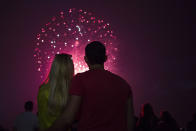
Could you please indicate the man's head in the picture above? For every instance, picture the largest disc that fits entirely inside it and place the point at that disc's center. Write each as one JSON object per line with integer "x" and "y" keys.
{"x": 28, "y": 106}
{"x": 95, "y": 53}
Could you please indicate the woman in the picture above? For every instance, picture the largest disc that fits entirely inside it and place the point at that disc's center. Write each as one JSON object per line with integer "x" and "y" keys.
{"x": 53, "y": 93}
{"x": 147, "y": 121}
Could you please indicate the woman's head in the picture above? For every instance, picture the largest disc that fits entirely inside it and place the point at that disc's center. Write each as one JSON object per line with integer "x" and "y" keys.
{"x": 62, "y": 67}
{"x": 60, "y": 75}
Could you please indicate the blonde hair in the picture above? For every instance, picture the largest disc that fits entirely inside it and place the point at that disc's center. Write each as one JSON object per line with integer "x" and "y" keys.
{"x": 59, "y": 78}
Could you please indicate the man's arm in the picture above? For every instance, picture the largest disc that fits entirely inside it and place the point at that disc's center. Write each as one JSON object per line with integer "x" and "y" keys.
{"x": 130, "y": 114}
{"x": 68, "y": 116}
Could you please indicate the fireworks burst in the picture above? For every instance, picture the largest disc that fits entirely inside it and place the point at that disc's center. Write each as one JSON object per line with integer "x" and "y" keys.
{"x": 69, "y": 32}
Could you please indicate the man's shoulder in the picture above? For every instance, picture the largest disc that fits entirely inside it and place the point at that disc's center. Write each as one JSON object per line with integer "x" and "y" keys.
{"x": 19, "y": 116}
{"x": 81, "y": 74}
{"x": 31, "y": 115}
{"x": 78, "y": 75}
{"x": 105, "y": 73}
{"x": 118, "y": 77}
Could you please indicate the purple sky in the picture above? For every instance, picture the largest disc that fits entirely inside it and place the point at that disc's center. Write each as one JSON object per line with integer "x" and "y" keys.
{"x": 157, "y": 51}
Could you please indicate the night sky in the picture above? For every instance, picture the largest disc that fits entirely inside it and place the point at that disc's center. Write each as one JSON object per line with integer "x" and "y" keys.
{"x": 156, "y": 43}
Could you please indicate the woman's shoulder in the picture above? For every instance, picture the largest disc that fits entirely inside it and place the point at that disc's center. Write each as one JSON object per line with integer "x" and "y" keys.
{"x": 44, "y": 88}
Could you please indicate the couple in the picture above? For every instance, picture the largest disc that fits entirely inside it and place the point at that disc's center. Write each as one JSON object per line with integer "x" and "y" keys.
{"x": 98, "y": 99}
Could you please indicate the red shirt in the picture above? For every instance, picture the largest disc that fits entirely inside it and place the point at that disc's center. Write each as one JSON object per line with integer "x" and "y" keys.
{"x": 104, "y": 97}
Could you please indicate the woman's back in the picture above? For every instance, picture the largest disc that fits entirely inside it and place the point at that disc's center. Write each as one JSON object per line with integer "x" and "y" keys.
{"x": 53, "y": 94}
{"x": 45, "y": 117}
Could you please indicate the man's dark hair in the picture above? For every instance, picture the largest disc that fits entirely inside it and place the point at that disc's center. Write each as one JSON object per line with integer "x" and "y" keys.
{"x": 95, "y": 53}
{"x": 28, "y": 106}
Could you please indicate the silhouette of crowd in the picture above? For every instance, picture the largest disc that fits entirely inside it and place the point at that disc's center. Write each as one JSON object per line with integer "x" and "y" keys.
{"x": 147, "y": 121}
{"x": 165, "y": 122}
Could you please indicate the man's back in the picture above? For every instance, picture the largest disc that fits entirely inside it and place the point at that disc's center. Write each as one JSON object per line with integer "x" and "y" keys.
{"x": 104, "y": 97}
{"x": 26, "y": 121}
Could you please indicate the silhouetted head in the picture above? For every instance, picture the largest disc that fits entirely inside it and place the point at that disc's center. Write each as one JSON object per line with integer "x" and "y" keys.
{"x": 28, "y": 106}
{"x": 165, "y": 116}
{"x": 147, "y": 110}
{"x": 95, "y": 53}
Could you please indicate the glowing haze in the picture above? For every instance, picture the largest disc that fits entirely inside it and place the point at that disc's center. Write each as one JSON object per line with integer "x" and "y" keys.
{"x": 69, "y": 32}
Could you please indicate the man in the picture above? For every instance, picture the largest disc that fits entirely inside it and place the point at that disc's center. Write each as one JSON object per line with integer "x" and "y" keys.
{"x": 191, "y": 126}
{"x": 26, "y": 121}
{"x": 101, "y": 100}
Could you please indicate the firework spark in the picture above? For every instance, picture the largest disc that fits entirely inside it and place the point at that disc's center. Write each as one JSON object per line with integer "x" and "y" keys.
{"x": 69, "y": 32}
